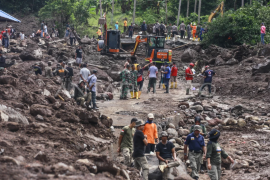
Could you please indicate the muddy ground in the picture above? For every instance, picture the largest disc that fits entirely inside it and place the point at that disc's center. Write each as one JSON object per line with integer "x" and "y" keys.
{"x": 44, "y": 137}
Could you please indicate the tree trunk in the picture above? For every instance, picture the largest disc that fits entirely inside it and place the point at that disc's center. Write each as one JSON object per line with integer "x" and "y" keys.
{"x": 243, "y": 3}
{"x": 187, "y": 7}
{"x": 250, "y": 2}
{"x": 179, "y": 8}
{"x": 134, "y": 10}
{"x": 166, "y": 12}
{"x": 100, "y": 6}
{"x": 112, "y": 8}
{"x": 235, "y": 4}
{"x": 199, "y": 11}
{"x": 195, "y": 7}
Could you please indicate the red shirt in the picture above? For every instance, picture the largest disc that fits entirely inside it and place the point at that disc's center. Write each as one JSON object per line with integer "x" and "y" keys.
{"x": 174, "y": 71}
{"x": 189, "y": 71}
{"x": 1, "y": 36}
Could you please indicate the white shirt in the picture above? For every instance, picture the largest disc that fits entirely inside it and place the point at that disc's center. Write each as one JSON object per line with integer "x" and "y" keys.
{"x": 22, "y": 36}
{"x": 85, "y": 73}
{"x": 153, "y": 71}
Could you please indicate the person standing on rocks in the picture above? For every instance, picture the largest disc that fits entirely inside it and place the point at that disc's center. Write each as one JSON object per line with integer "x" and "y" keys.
{"x": 174, "y": 30}
{"x": 69, "y": 76}
{"x": 48, "y": 70}
{"x": 139, "y": 143}
{"x": 152, "y": 73}
{"x": 169, "y": 30}
{"x": 150, "y": 130}
{"x": 61, "y": 72}
{"x": 208, "y": 75}
{"x": 162, "y": 28}
{"x": 81, "y": 95}
{"x": 72, "y": 38}
{"x": 182, "y": 29}
{"x": 214, "y": 154}
{"x": 37, "y": 69}
{"x": 125, "y": 142}
{"x": 189, "y": 77}
{"x": 42, "y": 29}
{"x": 79, "y": 56}
{"x": 5, "y": 41}
{"x": 130, "y": 30}
{"x": 157, "y": 26}
{"x": 92, "y": 81}
{"x": 263, "y": 30}
{"x": 174, "y": 75}
{"x": 144, "y": 28}
{"x": 126, "y": 80}
{"x": 99, "y": 33}
{"x": 188, "y": 31}
{"x": 196, "y": 144}
{"x": 165, "y": 152}
{"x": 125, "y": 25}
{"x": 45, "y": 29}
{"x": 116, "y": 25}
{"x": 167, "y": 76}
{"x": 134, "y": 87}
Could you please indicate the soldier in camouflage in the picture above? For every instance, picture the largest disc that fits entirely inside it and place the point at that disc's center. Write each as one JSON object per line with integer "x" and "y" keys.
{"x": 48, "y": 70}
{"x": 125, "y": 76}
{"x": 134, "y": 88}
{"x": 214, "y": 154}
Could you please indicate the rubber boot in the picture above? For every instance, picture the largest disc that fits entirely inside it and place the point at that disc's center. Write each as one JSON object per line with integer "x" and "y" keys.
{"x": 163, "y": 85}
{"x": 137, "y": 95}
{"x": 131, "y": 95}
{"x": 171, "y": 85}
{"x": 175, "y": 85}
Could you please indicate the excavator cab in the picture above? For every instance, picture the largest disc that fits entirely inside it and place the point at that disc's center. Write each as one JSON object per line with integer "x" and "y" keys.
{"x": 111, "y": 44}
{"x": 156, "y": 51}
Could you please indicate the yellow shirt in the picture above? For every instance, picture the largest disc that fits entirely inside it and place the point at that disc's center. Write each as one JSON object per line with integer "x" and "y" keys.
{"x": 99, "y": 32}
{"x": 125, "y": 23}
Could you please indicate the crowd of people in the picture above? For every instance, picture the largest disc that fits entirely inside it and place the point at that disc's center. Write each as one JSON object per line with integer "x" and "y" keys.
{"x": 140, "y": 138}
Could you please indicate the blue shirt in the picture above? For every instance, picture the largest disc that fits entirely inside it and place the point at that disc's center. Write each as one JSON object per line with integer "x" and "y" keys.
{"x": 201, "y": 31}
{"x": 92, "y": 80}
{"x": 209, "y": 74}
{"x": 153, "y": 72}
{"x": 195, "y": 144}
{"x": 116, "y": 26}
{"x": 168, "y": 75}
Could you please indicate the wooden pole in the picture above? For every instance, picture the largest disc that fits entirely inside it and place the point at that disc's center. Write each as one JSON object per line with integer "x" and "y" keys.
{"x": 199, "y": 11}
{"x": 187, "y": 7}
{"x": 243, "y": 3}
{"x": 179, "y": 9}
{"x": 134, "y": 10}
{"x": 250, "y": 2}
{"x": 195, "y": 6}
{"x": 100, "y": 5}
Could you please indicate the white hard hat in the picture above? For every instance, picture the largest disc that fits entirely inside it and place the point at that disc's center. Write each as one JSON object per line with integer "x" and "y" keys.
{"x": 150, "y": 115}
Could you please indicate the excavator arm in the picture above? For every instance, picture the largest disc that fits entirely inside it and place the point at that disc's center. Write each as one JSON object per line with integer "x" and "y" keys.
{"x": 138, "y": 41}
{"x": 219, "y": 8}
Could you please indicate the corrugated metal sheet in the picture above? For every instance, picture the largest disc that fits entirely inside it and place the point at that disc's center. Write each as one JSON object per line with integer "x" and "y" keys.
{"x": 6, "y": 17}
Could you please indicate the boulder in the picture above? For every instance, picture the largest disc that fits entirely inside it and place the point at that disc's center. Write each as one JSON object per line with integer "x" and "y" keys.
{"x": 86, "y": 40}
{"x": 115, "y": 75}
{"x": 62, "y": 168}
{"x": 265, "y": 51}
{"x": 189, "y": 55}
{"x": 8, "y": 80}
{"x": 7, "y": 159}
{"x": 39, "y": 118}
{"x": 183, "y": 132}
{"x": 241, "y": 123}
{"x": 67, "y": 116}
{"x": 231, "y": 61}
{"x": 226, "y": 54}
{"x": 107, "y": 121}
{"x": 261, "y": 67}
{"x": 3, "y": 116}
{"x": 198, "y": 108}
{"x": 41, "y": 156}
{"x": 9, "y": 114}
{"x": 85, "y": 162}
{"x": 184, "y": 103}
{"x": 219, "y": 61}
{"x": 239, "y": 164}
{"x": 214, "y": 122}
{"x": 89, "y": 117}
{"x": 17, "y": 49}
{"x": 31, "y": 55}
{"x": 171, "y": 126}
{"x": 13, "y": 126}
{"x": 229, "y": 121}
{"x": 172, "y": 133}
{"x": 36, "y": 109}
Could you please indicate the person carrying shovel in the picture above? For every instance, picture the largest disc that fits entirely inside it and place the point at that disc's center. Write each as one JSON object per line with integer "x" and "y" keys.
{"x": 165, "y": 152}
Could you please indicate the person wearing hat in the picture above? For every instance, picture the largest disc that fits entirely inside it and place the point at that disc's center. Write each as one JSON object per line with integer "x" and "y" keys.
{"x": 48, "y": 70}
{"x": 37, "y": 69}
{"x": 116, "y": 25}
{"x": 68, "y": 78}
{"x": 167, "y": 76}
{"x": 125, "y": 25}
{"x": 126, "y": 81}
{"x": 125, "y": 142}
{"x": 165, "y": 152}
{"x": 134, "y": 87}
{"x": 81, "y": 94}
{"x": 99, "y": 33}
{"x": 194, "y": 29}
{"x": 150, "y": 130}
{"x": 60, "y": 71}
{"x": 91, "y": 83}
{"x": 208, "y": 75}
{"x": 214, "y": 154}
{"x": 79, "y": 56}
{"x": 263, "y": 31}
{"x": 189, "y": 77}
{"x": 152, "y": 73}
{"x": 144, "y": 28}
{"x": 139, "y": 143}
{"x": 195, "y": 142}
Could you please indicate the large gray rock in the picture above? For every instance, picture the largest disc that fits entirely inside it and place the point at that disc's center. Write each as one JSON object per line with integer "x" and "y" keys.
{"x": 261, "y": 67}
{"x": 189, "y": 55}
{"x": 36, "y": 109}
{"x": 219, "y": 61}
{"x": 115, "y": 75}
{"x": 9, "y": 114}
{"x": 226, "y": 54}
{"x": 31, "y": 55}
{"x": 183, "y": 132}
{"x": 197, "y": 108}
{"x": 231, "y": 61}
{"x": 172, "y": 133}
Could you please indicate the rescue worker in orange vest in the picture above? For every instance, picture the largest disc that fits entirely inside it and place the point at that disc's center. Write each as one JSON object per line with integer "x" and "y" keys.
{"x": 150, "y": 130}
{"x": 194, "y": 29}
{"x": 99, "y": 33}
{"x": 125, "y": 25}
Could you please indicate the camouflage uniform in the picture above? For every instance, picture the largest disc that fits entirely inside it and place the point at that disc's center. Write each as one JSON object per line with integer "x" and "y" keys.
{"x": 133, "y": 78}
{"x": 125, "y": 76}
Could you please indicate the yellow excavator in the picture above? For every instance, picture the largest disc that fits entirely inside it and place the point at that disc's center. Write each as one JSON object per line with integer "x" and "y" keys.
{"x": 220, "y": 9}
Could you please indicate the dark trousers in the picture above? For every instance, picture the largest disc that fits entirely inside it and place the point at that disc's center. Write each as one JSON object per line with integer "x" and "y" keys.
{"x": 182, "y": 34}
{"x": 173, "y": 33}
{"x": 157, "y": 32}
{"x": 150, "y": 147}
{"x": 93, "y": 99}
{"x": 130, "y": 34}
{"x": 125, "y": 29}
{"x": 167, "y": 83}
{"x": 72, "y": 40}
{"x": 209, "y": 86}
{"x": 162, "y": 32}
{"x": 99, "y": 37}
{"x": 140, "y": 85}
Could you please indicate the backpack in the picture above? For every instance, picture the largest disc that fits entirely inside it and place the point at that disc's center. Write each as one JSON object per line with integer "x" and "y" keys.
{"x": 162, "y": 27}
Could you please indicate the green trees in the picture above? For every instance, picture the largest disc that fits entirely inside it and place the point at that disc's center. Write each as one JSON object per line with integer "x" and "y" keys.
{"x": 22, "y": 6}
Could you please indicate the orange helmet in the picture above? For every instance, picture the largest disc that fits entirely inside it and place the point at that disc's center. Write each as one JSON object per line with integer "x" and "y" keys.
{"x": 191, "y": 64}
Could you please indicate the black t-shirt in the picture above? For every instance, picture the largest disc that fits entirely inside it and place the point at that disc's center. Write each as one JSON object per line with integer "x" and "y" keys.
{"x": 138, "y": 144}
{"x": 165, "y": 150}
{"x": 70, "y": 71}
{"x": 37, "y": 70}
{"x": 79, "y": 53}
